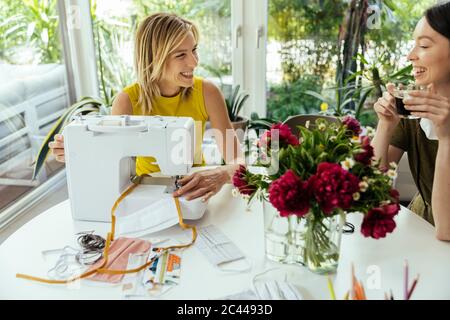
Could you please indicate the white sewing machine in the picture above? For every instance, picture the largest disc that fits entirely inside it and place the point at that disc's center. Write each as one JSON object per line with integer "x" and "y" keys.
{"x": 99, "y": 164}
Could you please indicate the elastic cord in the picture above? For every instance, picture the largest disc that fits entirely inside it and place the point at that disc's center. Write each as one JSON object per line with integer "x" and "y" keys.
{"x": 110, "y": 237}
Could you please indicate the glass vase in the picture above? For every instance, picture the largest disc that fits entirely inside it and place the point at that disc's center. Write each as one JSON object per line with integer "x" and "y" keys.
{"x": 312, "y": 241}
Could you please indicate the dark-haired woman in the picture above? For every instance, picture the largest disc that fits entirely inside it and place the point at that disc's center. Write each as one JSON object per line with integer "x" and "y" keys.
{"x": 427, "y": 139}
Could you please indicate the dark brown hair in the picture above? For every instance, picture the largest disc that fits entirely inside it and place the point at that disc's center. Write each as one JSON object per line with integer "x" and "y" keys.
{"x": 438, "y": 17}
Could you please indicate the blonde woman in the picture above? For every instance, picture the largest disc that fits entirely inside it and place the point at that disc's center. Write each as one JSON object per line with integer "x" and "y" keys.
{"x": 165, "y": 61}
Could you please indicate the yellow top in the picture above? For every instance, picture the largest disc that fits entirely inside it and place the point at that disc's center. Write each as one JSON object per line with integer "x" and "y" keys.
{"x": 193, "y": 106}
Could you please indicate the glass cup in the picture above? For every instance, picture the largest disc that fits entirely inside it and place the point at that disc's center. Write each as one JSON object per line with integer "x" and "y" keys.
{"x": 402, "y": 92}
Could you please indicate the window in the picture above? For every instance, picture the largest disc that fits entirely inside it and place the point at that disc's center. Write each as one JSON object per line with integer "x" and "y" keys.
{"x": 307, "y": 64}
{"x": 33, "y": 92}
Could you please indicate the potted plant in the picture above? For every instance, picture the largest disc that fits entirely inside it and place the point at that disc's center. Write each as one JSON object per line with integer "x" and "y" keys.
{"x": 234, "y": 102}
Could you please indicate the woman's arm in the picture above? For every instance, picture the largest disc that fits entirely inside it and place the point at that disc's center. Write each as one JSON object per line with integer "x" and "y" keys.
{"x": 388, "y": 120}
{"x": 225, "y": 135}
{"x": 440, "y": 200}
{"x": 208, "y": 182}
{"x": 433, "y": 106}
{"x": 122, "y": 105}
{"x": 383, "y": 150}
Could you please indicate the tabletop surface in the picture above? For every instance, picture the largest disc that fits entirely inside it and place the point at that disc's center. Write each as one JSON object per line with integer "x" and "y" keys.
{"x": 379, "y": 264}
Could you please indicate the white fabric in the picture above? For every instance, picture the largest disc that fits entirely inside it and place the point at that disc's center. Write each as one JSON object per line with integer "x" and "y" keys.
{"x": 157, "y": 216}
{"x": 219, "y": 249}
{"x": 428, "y": 127}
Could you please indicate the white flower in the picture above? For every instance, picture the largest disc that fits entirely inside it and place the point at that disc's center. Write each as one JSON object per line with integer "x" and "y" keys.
{"x": 393, "y": 165}
{"x": 363, "y": 186}
{"x": 235, "y": 192}
{"x": 333, "y": 138}
{"x": 356, "y": 196}
{"x": 370, "y": 132}
{"x": 307, "y": 124}
{"x": 392, "y": 174}
{"x": 376, "y": 171}
{"x": 322, "y": 126}
{"x": 348, "y": 163}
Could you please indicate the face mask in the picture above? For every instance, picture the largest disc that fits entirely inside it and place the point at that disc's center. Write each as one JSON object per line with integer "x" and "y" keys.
{"x": 119, "y": 252}
{"x": 158, "y": 216}
{"x": 428, "y": 127}
{"x": 218, "y": 249}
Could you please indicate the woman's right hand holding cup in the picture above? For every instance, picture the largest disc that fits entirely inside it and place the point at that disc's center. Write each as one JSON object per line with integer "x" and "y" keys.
{"x": 57, "y": 147}
{"x": 385, "y": 108}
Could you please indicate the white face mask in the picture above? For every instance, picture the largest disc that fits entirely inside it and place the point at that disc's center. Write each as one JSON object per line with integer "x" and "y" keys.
{"x": 219, "y": 250}
{"x": 158, "y": 216}
{"x": 428, "y": 127}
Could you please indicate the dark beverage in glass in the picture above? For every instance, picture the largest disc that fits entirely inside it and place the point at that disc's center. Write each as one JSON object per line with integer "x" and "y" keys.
{"x": 400, "y": 93}
{"x": 399, "y": 96}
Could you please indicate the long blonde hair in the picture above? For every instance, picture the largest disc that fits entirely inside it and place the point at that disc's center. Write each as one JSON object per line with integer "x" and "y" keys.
{"x": 156, "y": 38}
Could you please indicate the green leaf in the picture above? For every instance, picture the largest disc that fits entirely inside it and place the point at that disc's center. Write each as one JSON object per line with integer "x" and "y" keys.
{"x": 316, "y": 95}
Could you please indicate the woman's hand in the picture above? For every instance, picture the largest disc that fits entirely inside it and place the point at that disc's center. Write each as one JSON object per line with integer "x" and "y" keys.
{"x": 385, "y": 108}
{"x": 204, "y": 183}
{"x": 57, "y": 147}
{"x": 430, "y": 105}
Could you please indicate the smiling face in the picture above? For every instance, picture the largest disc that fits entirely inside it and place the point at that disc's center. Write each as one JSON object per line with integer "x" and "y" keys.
{"x": 430, "y": 56}
{"x": 179, "y": 67}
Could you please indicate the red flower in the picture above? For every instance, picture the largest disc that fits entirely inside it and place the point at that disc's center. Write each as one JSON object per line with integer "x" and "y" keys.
{"x": 395, "y": 195}
{"x": 240, "y": 181}
{"x": 352, "y": 125}
{"x": 289, "y": 195}
{"x": 333, "y": 187}
{"x": 365, "y": 157}
{"x": 285, "y": 136}
{"x": 380, "y": 221}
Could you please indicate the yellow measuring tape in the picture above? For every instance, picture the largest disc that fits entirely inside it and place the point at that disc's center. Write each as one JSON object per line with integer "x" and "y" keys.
{"x": 110, "y": 237}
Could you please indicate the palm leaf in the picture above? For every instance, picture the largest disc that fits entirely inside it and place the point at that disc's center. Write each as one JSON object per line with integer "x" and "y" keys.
{"x": 239, "y": 104}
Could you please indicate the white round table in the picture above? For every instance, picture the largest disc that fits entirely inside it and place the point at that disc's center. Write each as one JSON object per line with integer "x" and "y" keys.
{"x": 378, "y": 263}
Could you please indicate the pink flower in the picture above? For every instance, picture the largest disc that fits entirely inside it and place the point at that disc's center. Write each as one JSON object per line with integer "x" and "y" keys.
{"x": 365, "y": 157}
{"x": 240, "y": 181}
{"x": 380, "y": 221}
{"x": 289, "y": 195}
{"x": 333, "y": 187}
{"x": 352, "y": 125}
{"x": 285, "y": 136}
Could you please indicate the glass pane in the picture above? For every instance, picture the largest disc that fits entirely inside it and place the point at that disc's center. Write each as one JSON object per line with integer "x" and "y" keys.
{"x": 115, "y": 23}
{"x": 308, "y": 49}
{"x": 33, "y": 91}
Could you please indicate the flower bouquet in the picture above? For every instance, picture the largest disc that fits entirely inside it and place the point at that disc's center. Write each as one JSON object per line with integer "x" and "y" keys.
{"x": 308, "y": 184}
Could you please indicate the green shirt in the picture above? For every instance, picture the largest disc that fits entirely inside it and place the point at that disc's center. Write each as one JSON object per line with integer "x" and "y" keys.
{"x": 409, "y": 136}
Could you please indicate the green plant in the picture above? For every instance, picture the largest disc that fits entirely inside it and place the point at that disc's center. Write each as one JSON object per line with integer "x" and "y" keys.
{"x": 86, "y": 105}
{"x": 371, "y": 84}
{"x": 288, "y": 99}
{"x": 32, "y": 25}
{"x": 234, "y": 102}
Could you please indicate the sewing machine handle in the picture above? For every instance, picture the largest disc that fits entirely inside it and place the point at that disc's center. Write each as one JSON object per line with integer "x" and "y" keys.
{"x": 111, "y": 126}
